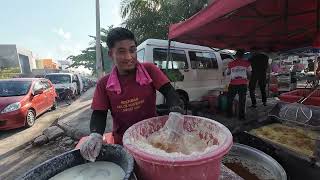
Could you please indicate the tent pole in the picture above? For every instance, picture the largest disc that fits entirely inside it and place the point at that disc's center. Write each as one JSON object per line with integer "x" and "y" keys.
{"x": 168, "y": 55}
{"x": 286, "y": 6}
{"x": 99, "y": 70}
{"x": 269, "y": 76}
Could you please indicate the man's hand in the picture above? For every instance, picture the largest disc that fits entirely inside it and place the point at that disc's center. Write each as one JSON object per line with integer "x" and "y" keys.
{"x": 177, "y": 109}
{"x": 90, "y": 149}
{"x": 174, "y": 102}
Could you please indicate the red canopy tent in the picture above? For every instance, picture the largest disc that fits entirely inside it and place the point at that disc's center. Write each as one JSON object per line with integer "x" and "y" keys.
{"x": 270, "y": 25}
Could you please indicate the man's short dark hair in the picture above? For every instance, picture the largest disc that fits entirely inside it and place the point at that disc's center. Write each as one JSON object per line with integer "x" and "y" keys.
{"x": 240, "y": 53}
{"x": 119, "y": 34}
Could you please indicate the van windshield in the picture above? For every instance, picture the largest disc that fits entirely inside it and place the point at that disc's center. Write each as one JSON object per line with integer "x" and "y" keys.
{"x": 59, "y": 78}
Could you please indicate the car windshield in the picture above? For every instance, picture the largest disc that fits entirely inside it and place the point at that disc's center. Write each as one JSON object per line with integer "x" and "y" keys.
{"x": 14, "y": 88}
{"x": 59, "y": 79}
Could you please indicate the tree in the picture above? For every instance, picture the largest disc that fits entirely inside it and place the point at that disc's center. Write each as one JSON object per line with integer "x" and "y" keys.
{"x": 87, "y": 57}
{"x": 151, "y": 18}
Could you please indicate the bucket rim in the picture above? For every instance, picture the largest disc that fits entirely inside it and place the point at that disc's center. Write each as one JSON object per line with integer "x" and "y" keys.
{"x": 216, "y": 153}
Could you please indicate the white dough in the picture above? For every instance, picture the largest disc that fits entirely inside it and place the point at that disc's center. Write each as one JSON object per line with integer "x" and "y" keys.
{"x": 100, "y": 170}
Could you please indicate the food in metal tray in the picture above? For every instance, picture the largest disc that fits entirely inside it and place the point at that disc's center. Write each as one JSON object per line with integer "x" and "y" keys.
{"x": 100, "y": 170}
{"x": 294, "y": 138}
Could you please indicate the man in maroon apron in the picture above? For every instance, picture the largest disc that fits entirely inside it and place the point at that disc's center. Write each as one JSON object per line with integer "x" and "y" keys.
{"x": 128, "y": 91}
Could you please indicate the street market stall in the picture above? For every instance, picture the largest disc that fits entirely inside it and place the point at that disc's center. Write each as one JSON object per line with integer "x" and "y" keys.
{"x": 269, "y": 26}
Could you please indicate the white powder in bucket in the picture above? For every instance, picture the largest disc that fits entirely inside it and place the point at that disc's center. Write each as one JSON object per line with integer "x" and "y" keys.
{"x": 199, "y": 137}
{"x": 145, "y": 146}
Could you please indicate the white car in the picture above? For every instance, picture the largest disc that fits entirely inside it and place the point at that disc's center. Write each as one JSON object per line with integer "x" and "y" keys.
{"x": 62, "y": 81}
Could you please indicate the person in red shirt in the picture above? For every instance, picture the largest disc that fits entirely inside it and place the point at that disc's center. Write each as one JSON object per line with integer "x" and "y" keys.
{"x": 128, "y": 91}
{"x": 238, "y": 70}
{"x": 317, "y": 73}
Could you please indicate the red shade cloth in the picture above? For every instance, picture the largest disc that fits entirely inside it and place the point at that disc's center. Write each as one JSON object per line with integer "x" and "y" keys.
{"x": 270, "y": 25}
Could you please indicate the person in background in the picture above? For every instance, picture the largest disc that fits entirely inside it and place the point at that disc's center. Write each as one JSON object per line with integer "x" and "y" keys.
{"x": 239, "y": 69}
{"x": 294, "y": 74}
{"x": 259, "y": 64}
{"x": 299, "y": 66}
{"x": 310, "y": 65}
{"x": 275, "y": 67}
{"x": 317, "y": 72}
{"x": 129, "y": 92}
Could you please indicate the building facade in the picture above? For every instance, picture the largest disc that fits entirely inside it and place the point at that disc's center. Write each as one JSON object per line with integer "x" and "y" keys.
{"x": 16, "y": 60}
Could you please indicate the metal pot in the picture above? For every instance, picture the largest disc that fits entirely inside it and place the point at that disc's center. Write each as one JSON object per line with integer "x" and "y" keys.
{"x": 260, "y": 159}
{"x": 112, "y": 153}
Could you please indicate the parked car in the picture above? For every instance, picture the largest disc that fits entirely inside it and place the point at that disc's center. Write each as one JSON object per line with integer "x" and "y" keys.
{"x": 22, "y": 100}
{"x": 63, "y": 81}
{"x": 87, "y": 83}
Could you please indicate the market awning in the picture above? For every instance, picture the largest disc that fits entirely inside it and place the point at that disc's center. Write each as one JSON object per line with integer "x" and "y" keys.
{"x": 270, "y": 25}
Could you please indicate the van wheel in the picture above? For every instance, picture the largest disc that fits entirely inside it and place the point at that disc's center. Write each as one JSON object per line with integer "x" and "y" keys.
{"x": 30, "y": 118}
{"x": 184, "y": 99}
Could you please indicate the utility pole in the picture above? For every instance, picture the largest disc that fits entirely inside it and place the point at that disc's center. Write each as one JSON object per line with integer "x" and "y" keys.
{"x": 98, "y": 40}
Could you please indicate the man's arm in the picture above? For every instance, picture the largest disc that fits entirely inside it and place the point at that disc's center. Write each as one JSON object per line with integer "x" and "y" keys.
{"x": 98, "y": 121}
{"x": 100, "y": 105}
{"x": 162, "y": 84}
{"x": 173, "y": 100}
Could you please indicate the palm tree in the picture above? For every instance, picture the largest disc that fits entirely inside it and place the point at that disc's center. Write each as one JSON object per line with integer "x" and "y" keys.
{"x": 151, "y": 18}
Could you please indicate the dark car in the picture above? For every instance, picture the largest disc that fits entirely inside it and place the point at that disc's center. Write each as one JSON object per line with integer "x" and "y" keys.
{"x": 24, "y": 99}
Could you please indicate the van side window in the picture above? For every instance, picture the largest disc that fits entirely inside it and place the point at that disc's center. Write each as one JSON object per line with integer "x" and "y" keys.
{"x": 226, "y": 56}
{"x": 140, "y": 55}
{"x": 203, "y": 60}
{"x": 178, "y": 59}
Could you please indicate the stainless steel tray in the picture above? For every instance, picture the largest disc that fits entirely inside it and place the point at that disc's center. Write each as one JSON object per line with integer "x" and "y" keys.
{"x": 245, "y": 152}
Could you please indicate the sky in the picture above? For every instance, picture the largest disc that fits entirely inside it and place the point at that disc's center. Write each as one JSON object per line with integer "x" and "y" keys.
{"x": 54, "y": 28}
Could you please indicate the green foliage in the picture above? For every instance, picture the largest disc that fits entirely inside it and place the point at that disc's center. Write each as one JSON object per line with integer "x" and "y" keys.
{"x": 6, "y": 73}
{"x": 151, "y": 18}
{"x": 174, "y": 75}
{"x": 87, "y": 57}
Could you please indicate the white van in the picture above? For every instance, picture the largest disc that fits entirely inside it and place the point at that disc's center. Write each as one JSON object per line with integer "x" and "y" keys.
{"x": 62, "y": 81}
{"x": 194, "y": 70}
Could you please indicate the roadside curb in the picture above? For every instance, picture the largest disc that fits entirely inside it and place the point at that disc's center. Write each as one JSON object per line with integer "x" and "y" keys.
{"x": 64, "y": 115}
{"x": 18, "y": 148}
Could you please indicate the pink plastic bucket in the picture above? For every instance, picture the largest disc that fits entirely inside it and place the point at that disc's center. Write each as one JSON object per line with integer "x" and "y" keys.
{"x": 203, "y": 166}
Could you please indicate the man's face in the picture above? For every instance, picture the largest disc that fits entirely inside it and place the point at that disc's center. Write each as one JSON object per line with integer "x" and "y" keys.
{"x": 124, "y": 55}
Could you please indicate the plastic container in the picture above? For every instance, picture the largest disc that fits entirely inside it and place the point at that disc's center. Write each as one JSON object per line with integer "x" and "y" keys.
{"x": 294, "y": 96}
{"x": 213, "y": 102}
{"x": 202, "y": 166}
{"x": 223, "y": 102}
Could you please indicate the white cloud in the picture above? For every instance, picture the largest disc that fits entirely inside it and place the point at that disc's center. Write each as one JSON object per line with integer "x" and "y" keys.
{"x": 66, "y": 47}
{"x": 62, "y": 33}
{"x": 64, "y": 50}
